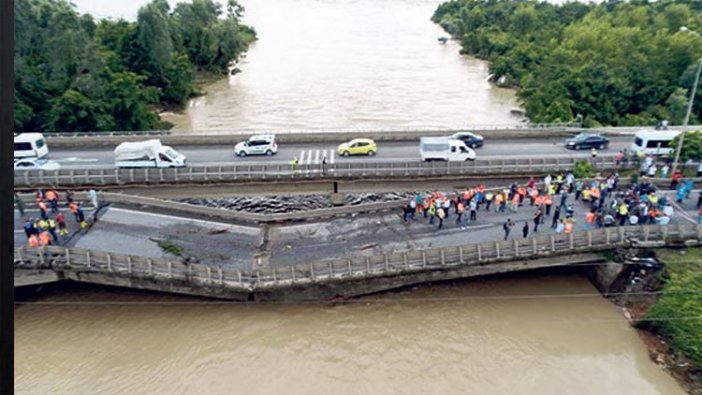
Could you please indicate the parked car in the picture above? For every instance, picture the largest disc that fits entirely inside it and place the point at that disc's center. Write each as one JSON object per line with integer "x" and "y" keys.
{"x": 263, "y": 144}
{"x": 358, "y": 147}
{"x": 37, "y": 164}
{"x": 587, "y": 141}
{"x": 472, "y": 140}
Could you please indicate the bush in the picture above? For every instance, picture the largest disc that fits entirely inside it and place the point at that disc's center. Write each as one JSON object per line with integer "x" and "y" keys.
{"x": 676, "y": 314}
{"x": 583, "y": 169}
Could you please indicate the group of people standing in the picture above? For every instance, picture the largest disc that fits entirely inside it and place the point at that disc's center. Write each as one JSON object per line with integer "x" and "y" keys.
{"x": 51, "y": 223}
{"x": 437, "y": 206}
{"x": 608, "y": 205}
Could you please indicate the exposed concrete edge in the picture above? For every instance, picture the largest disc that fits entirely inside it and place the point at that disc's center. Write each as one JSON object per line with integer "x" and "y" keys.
{"x": 159, "y": 285}
{"x": 354, "y": 287}
{"x": 24, "y": 278}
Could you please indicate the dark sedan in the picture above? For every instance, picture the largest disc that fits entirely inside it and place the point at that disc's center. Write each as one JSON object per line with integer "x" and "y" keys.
{"x": 587, "y": 141}
{"x": 472, "y": 140}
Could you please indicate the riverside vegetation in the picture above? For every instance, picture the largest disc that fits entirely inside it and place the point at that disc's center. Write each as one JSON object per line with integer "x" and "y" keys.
{"x": 677, "y": 313}
{"x": 616, "y": 63}
{"x": 73, "y": 73}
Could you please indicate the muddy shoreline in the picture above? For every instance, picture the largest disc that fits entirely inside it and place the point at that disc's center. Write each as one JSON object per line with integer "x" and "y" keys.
{"x": 638, "y": 290}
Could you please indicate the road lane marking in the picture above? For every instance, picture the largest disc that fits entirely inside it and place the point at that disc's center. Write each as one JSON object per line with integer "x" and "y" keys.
{"x": 76, "y": 159}
{"x": 332, "y": 156}
{"x": 302, "y": 157}
{"x": 316, "y": 157}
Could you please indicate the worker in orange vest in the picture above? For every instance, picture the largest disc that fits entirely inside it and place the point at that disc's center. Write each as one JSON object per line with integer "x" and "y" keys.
{"x": 568, "y": 228}
{"x": 44, "y": 238}
{"x": 522, "y": 194}
{"x": 548, "y": 201}
{"x": 498, "y": 201}
{"x": 533, "y": 194}
{"x": 33, "y": 241}
{"x": 52, "y": 197}
{"x": 589, "y": 220}
{"x": 515, "y": 203}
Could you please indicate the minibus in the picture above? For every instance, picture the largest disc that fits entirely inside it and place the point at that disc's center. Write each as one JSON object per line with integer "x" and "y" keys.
{"x": 654, "y": 142}
{"x": 30, "y": 145}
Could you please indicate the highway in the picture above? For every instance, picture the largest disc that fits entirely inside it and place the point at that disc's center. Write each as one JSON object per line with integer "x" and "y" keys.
{"x": 312, "y": 153}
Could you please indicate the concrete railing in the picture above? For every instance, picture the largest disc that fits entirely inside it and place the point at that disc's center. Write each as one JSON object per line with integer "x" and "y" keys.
{"x": 278, "y": 171}
{"x": 81, "y": 260}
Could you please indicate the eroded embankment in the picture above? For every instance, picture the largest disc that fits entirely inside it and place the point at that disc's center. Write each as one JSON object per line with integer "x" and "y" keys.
{"x": 664, "y": 304}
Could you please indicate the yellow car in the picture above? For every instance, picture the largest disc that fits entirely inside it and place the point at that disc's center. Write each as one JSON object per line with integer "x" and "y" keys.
{"x": 358, "y": 147}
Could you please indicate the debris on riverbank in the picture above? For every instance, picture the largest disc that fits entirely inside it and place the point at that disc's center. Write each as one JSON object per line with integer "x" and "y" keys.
{"x": 293, "y": 203}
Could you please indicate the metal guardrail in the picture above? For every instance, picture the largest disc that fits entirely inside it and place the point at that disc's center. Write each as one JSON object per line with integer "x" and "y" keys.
{"x": 278, "y": 171}
{"x": 429, "y": 129}
{"x": 378, "y": 131}
{"x": 82, "y": 260}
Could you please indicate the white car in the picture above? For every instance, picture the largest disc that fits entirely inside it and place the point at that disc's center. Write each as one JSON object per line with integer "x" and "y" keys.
{"x": 37, "y": 164}
{"x": 263, "y": 144}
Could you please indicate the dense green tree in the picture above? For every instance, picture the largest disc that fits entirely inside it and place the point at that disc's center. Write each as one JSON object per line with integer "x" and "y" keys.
{"x": 692, "y": 146}
{"x": 618, "y": 63}
{"x": 73, "y": 73}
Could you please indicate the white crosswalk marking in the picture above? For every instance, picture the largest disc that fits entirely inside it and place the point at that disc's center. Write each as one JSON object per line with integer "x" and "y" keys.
{"x": 314, "y": 157}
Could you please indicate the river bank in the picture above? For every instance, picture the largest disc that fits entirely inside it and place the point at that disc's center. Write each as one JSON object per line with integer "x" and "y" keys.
{"x": 663, "y": 306}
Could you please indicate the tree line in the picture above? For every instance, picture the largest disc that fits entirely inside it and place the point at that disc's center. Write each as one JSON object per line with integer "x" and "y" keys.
{"x": 73, "y": 73}
{"x": 616, "y": 63}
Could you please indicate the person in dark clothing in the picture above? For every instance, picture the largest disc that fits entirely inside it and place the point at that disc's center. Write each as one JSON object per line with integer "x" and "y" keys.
{"x": 699, "y": 200}
{"x": 556, "y": 217}
{"x": 525, "y": 229}
{"x": 537, "y": 219}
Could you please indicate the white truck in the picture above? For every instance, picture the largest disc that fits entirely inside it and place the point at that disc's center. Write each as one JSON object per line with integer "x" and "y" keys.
{"x": 150, "y": 153}
{"x": 444, "y": 148}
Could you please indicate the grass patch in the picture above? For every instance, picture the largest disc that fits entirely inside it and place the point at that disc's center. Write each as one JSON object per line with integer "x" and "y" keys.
{"x": 677, "y": 314}
{"x": 168, "y": 247}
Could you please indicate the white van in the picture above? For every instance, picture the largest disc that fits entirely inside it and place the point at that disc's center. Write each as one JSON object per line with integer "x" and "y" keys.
{"x": 150, "y": 153}
{"x": 444, "y": 148}
{"x": 30, "y": 145}
{"x": 654, "y": 142}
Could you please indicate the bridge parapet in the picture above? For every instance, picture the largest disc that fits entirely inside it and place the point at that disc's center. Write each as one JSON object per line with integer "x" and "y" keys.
{"x": 283, "y": 171}
{"x": 274, "y": 283}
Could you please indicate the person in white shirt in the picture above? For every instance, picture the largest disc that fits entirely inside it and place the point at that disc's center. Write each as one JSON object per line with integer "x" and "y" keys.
{"x": 652, "y": 171}
{"x": 668, "y": 210}
{"x": 664, "y": 171}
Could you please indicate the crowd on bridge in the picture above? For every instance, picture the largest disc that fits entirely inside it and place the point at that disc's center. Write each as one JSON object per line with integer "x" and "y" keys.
{"x": 51, "y": 227}
{"x": 604, "y": 203}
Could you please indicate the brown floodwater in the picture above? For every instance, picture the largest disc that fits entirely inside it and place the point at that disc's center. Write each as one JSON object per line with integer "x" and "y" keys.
{"x": 539, "y": 334}
{"x": 343, "y": 64}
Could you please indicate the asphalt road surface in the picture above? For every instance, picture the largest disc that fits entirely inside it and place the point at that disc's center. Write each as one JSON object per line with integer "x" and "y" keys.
{"x": 312, "y": 153}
